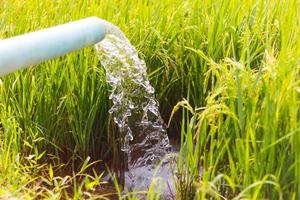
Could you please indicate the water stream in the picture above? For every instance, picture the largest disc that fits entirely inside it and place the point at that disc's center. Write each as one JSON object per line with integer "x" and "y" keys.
{"x": 135, "y": 111}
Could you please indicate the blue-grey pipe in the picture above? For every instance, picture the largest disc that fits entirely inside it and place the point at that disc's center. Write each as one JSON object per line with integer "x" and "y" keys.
{"x": 33, "y": 48}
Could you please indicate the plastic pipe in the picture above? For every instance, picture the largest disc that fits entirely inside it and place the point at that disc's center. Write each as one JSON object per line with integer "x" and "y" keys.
{"x": 33, "y": 48}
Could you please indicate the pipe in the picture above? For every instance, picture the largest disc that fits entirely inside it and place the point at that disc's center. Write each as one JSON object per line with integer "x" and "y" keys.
{"x": 33, "y": 48}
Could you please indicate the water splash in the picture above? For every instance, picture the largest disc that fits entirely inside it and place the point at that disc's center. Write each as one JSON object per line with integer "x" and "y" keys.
{"x": 135, "y": 111}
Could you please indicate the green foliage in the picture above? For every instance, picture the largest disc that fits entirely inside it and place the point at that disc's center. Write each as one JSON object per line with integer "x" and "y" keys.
{"x": 235, "y": 64}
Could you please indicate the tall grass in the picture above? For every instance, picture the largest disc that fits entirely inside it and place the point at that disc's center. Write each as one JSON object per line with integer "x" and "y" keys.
{"x": 235, "y": 64}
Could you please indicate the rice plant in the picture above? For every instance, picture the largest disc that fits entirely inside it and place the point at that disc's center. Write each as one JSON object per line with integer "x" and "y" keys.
{"x": 226, "y": 74}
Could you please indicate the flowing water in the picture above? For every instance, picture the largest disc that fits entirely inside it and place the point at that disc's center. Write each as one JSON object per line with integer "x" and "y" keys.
{"x": 135, "y": 111}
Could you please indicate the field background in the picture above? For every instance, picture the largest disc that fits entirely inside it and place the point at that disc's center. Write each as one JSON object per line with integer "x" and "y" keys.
{"x": 228, "y": 69}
